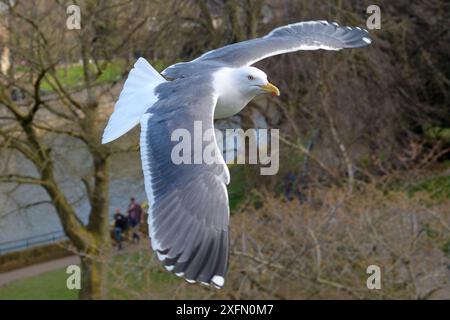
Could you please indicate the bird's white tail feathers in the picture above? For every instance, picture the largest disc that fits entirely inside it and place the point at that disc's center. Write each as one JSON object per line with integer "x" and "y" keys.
{"x": 138, "y": 94}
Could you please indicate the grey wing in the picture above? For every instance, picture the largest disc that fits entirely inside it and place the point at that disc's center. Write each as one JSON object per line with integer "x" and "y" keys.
{"x": 308, "y": 35}
{"x": 188, "y": 213}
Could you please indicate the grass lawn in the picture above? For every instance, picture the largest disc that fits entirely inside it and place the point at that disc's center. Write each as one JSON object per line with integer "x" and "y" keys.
{"x": 131, "y": 276}
{"x": 72, "y": 76}
{"x": 47, "y": 286}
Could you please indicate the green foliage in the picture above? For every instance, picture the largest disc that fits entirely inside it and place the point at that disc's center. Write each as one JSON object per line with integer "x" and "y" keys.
{"x": 446, "y": 248}
{"x": 438, "y": 188}
{"x": 430, "y": 232}
{"x": 438, "y": 133}
{"x": 159, "y": 65}
{"x": 237, "y": 189}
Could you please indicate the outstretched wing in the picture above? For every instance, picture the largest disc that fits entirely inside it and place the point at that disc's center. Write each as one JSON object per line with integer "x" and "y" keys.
{"x": 308, "y": 35}
{"x": 188, "y": 213}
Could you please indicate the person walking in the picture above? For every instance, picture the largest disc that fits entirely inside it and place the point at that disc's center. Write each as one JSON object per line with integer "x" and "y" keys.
{"x": 134, "y": 217}
{"x": 120, "y": 225}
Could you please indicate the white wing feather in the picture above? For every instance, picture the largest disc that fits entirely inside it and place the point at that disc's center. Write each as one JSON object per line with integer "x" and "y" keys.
{"x": 138, "y": 94}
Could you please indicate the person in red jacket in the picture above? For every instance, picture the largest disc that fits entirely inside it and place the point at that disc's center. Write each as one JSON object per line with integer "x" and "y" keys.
{"x": 134, "y": 217}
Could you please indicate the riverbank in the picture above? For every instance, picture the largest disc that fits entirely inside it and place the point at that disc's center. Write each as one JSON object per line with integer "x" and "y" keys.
{"x": 28, "y": 257}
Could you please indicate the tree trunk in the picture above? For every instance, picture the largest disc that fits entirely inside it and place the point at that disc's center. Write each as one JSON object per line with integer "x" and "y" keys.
{"x": 231, "y": 9}
{"x": 94, "y": 264}
{"x": 253, "y": 13}
{"x": 93, "y": 278}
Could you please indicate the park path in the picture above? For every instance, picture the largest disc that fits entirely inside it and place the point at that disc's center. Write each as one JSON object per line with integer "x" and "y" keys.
{"x": 37, "y": 269}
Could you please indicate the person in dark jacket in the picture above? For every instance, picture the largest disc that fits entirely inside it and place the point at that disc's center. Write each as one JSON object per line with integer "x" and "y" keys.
{"x": 120, "y": 225}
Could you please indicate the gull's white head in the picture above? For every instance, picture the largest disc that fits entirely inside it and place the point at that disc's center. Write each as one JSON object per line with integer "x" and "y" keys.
{"x": 247, "y": 81}
{"x": 235, "y": 87}
{"x": 253, "y": 81}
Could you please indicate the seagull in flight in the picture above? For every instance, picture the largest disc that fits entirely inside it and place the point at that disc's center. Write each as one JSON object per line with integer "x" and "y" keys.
{"x": 188, "y": 203}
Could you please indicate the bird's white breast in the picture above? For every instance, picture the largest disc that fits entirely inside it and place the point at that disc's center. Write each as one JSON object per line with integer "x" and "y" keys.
{"x": 229, "y": 104}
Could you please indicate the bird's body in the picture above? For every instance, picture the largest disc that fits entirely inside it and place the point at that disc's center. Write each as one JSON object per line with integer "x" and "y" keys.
{"x": 189, "y": 213}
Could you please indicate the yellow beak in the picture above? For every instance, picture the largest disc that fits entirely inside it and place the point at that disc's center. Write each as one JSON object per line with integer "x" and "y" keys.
{"x": 271, "y": 89}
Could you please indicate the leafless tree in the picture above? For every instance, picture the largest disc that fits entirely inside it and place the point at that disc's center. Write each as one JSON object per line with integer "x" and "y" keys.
{"x": 48, "y": 107}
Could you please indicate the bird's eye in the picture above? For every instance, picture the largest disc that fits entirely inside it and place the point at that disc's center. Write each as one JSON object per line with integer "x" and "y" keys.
{"x": 250, "y": 77}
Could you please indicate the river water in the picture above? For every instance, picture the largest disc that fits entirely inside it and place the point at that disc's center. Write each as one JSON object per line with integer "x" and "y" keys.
{"x": 20, "y": 219}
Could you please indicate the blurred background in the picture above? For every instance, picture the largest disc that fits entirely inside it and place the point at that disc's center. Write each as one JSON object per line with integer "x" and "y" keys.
{"x": 364, "y": 173}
